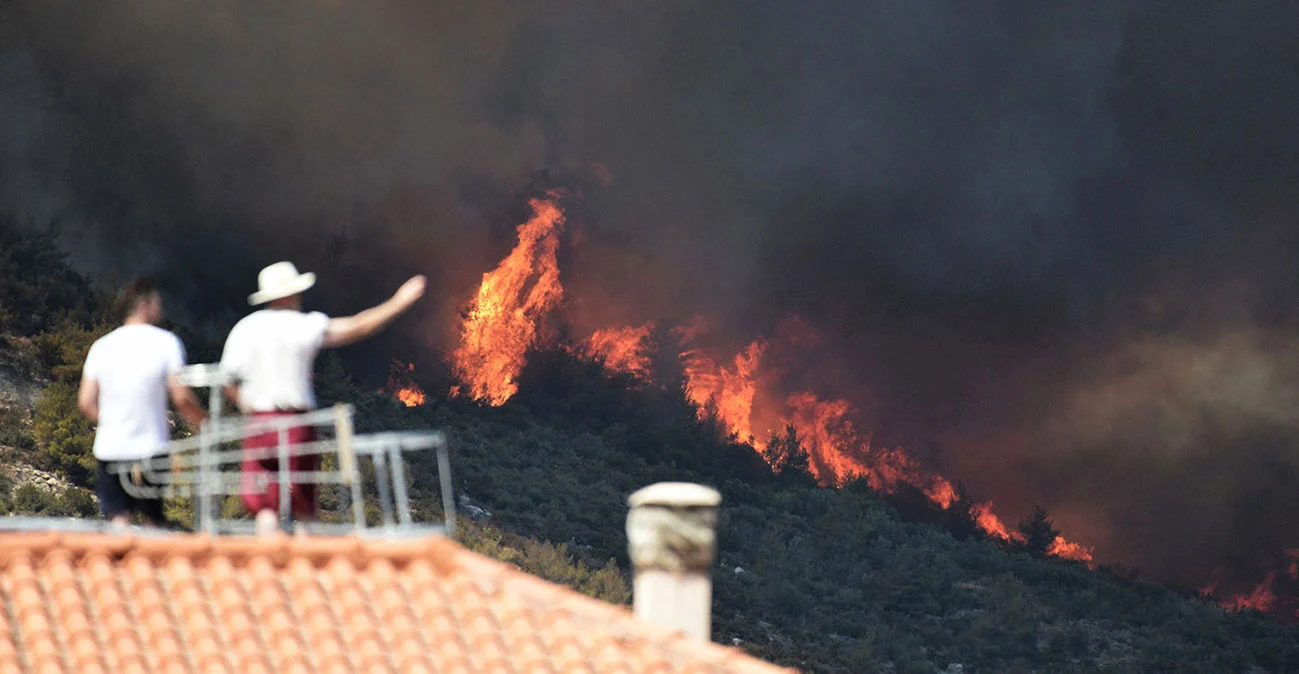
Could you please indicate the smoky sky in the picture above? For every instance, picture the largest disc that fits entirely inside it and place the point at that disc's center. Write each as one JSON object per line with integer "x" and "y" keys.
{"x": 1050, "y": 250}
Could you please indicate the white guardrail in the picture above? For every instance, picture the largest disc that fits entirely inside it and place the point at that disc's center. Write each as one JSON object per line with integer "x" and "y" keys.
{"x": 205, "y": 467}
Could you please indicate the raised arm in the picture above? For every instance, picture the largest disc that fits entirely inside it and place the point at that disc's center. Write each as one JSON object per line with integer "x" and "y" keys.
{"x": 352, "y": 329}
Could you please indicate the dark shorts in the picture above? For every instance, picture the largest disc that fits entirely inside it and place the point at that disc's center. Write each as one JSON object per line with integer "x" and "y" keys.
{"x": 114, "y": 500}
{"x": 259, "y": 483}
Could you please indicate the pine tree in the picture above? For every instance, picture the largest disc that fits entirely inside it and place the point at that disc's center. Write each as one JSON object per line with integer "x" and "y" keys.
{"x": 1039, "y": 533}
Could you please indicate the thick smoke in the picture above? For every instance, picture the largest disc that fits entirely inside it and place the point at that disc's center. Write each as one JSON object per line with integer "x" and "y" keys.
{"x": 1047, "y": 249}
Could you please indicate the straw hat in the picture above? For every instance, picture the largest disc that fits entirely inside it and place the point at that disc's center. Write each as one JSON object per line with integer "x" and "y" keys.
{"x": 280, "y": 280}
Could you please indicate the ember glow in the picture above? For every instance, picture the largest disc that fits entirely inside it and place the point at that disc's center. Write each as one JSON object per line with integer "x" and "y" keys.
{"x": 505, "y": 316}
{"x": 503, "y": 323}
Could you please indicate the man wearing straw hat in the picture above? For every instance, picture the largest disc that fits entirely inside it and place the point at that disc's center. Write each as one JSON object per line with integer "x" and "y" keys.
{"x": 269, "y": 354}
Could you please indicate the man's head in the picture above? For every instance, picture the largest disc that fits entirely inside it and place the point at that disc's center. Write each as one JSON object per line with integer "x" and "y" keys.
{"x": 293, "y": 302}
{"x": 280, "y": 286}
{"x": 139, "y": 302}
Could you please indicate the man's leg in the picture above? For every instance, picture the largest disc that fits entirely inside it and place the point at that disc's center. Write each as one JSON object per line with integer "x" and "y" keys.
{"x": 151, "y": 510}
{"x": 259, "y": 486}
{"x": 113, "y": 499}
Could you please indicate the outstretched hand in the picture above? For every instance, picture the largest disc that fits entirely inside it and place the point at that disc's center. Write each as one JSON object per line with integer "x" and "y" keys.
{"x": 352, "y": 329}
{"x": 411, "y": 290}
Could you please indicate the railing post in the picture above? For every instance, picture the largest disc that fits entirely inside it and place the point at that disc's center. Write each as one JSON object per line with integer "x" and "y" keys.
{"x": 211, "y": 377}
{"x": 444, "y": 476}
{"x": 347, "y": 465}
{"x": 282, "y": 440}
{"x": 204, "y": 484}
{"x": 381, "y": 483}
{"x": 401, "y": 499}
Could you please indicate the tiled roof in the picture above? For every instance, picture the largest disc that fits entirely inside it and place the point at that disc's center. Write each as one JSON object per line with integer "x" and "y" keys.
{"x": 81, "y": 602}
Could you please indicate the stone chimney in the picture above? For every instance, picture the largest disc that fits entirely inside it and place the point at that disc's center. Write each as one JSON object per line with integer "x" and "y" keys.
{"x": 671, "y": 530}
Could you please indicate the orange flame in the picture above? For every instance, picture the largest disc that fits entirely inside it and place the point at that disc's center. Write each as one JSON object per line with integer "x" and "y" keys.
{"x": 1265, "y": 597}
{"x": 941, "y": 492}
{"x": 823, "y": 429}
{"x": 1068, "y": 550}
{"x": 504, "y": 319}
{"x": 725, "y": 393}
{"x": 622, "y": 349}
{"x": 991, "y": 524}
{"x": 1261, "y": 599}
{"x": 401, "y": 386}
{"x": 837, "y": 452}
{"x": 411, "y": 396}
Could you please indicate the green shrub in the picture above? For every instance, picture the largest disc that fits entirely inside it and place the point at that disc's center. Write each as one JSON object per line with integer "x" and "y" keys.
{"x": 551, "y": 562}
{"x": 14, "y": 431}
{"x": 31, "y": 500}
{"x": 64, "y": 436}
{"x": 77, "y": 502}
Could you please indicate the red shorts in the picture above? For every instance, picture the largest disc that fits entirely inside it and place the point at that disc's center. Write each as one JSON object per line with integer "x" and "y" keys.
{"x": 259, "y": 484}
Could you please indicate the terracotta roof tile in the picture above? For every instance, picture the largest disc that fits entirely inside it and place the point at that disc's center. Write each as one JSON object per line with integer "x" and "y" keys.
{"x": 107, "y": 603}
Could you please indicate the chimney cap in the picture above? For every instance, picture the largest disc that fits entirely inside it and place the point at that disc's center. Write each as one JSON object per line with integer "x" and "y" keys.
{"x": 675, "y": 495}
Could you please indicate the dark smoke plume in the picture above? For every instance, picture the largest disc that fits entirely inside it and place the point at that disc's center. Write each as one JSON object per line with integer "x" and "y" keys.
{"x": 1053, "y": 247}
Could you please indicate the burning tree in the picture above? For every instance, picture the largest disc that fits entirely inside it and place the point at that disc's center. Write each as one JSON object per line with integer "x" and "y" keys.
{"x": 786, "y": 455}
{"x": 503, "y": 319}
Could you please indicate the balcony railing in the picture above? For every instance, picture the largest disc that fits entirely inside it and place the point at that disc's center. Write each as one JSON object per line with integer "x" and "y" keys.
{"x": 205, "y": 468}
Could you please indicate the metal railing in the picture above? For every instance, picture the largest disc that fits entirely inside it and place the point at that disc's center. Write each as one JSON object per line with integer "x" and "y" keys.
{"x": 206, "y": 466}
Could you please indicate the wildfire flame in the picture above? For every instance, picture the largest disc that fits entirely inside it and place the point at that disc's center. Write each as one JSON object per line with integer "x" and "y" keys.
{"x": 823, "y": 429}
{"x": 411, "y": 396}
{"x": 837, "y": 452}
{"x": 1261, "y": 599}
{"x": 504, "y": 318}
{"x": 622, "y": 349}
{"x": 725, "y": 393}
{"x": 991, "y": 524}
{"x": 1266, "y": 597}
{"x": 401, "y": 386}
{"x": 941, "y": 492}
{"x": 503, "y": 323}
{"x": 1067, "y": 550}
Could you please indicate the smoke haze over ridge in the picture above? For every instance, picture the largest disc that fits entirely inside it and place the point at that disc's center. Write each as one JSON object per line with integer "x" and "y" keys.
{"x": 1050, "y": 251}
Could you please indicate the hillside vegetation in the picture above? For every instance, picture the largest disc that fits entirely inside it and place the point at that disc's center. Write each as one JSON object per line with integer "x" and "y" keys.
{"x": 827, "y": 580}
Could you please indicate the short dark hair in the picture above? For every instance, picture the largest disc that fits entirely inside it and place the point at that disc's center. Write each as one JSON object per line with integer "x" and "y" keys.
{"x": 131, "y": 295}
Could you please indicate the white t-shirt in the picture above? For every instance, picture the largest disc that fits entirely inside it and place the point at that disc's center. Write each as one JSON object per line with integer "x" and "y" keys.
{"x": 131, "y": 365}
{"x": 270, "y": 354}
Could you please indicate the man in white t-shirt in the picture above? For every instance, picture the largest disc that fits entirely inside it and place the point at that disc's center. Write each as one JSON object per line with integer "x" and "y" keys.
{"x": 270, "y": 353}
{"x": 124, "y": 387}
